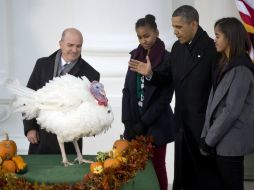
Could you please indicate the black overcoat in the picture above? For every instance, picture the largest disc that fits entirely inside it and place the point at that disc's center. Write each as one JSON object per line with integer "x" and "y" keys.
{"x": 157, "y": 114}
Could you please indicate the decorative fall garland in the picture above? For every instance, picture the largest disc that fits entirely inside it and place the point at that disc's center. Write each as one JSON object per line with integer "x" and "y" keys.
{"x": 132, "y": 159}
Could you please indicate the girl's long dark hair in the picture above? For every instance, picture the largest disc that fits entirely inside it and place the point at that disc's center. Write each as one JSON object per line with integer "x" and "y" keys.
{"x": 236, "y": 35}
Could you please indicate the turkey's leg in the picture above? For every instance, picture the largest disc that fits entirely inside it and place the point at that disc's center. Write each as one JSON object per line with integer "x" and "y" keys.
{"x": 65, "y": 161}
{"x": 79, "y": 155}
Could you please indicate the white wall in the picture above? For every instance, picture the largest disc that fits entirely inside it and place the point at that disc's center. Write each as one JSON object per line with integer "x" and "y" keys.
{"x": 31, "y": 29}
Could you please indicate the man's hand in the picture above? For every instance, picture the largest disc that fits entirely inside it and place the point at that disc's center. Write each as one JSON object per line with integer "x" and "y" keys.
{"x": 141, "y": 67}
{"x": 205, "y": 149}
{"x": 33, "y": 136}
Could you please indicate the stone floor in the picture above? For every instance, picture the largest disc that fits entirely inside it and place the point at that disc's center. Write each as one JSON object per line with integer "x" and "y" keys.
{"x": 248, "y": 185}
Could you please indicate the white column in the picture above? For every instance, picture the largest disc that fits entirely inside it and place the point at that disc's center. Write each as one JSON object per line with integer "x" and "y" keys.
{"x": 4, "y": 41}
{"x": 4, "y": 60}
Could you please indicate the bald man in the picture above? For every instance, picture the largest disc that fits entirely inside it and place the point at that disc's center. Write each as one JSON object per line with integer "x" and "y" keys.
{"x": 67, "y": 59}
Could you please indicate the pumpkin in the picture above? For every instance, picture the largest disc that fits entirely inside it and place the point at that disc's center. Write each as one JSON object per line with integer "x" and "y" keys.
{"x": 119, "y": 147}
{"x": 21, "y": 166}
{"x": 9, "y": 166}
{"x": 112, "y": 163}
{"x": 8, "y": 148}
{"x": 96, "y": 167}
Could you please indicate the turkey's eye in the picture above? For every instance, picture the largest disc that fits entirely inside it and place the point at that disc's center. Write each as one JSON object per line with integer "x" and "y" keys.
{"x": 109, "y": 111}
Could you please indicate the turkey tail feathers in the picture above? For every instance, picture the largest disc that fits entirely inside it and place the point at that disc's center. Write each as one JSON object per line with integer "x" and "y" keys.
{"x": 25, "y": 99}
{"x": 16, "y": 88}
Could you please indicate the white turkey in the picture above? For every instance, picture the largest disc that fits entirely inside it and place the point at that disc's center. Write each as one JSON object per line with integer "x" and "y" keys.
{"x": 67, "y": 106}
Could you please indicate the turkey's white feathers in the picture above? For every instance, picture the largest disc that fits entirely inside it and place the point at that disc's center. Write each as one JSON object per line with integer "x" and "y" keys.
{"x": 64, "y": 93}
{"x": 95, "y": 120}
{"x": 25, "y": 98}
{"x": 64, "y": 106}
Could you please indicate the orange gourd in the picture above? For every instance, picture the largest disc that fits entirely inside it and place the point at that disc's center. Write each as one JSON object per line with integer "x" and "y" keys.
{"x": 112, "y": 163}
{"x": 119, "y": 146}
{"x": 9, "y": 166}
{"x": 8, "y": 148}
{"x": 21, "y": 166}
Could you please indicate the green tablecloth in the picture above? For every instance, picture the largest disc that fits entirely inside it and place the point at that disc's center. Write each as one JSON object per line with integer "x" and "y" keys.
{"x": 249, "y": 167}
{"x": 48, "y": 169}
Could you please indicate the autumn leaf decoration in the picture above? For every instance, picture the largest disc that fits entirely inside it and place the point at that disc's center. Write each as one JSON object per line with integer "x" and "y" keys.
{"x": 131, "y": 160}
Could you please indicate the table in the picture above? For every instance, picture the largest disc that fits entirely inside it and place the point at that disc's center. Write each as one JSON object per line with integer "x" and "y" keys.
{"x": 249, "y": 167}
{"x": 48, "y": 169}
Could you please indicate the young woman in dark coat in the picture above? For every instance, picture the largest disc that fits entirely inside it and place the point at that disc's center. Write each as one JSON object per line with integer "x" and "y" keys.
{"x": 228, "y": 133}
{"x": 146, "y": 109}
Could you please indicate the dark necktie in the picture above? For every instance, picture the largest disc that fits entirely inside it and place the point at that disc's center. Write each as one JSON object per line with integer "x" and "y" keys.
{"x": 63, "y": 69}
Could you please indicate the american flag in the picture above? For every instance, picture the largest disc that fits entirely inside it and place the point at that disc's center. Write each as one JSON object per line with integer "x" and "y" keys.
{"x": 246, "y": 11}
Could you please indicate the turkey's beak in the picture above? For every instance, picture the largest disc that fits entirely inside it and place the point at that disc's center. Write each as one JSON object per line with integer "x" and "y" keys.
{"x": 102, "y": 92}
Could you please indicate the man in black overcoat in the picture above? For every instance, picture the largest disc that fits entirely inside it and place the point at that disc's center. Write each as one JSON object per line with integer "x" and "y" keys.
{"x": 65, "y": 60}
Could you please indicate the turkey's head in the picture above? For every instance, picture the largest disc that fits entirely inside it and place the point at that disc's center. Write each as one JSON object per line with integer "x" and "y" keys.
{"x": 97, "y": 90}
